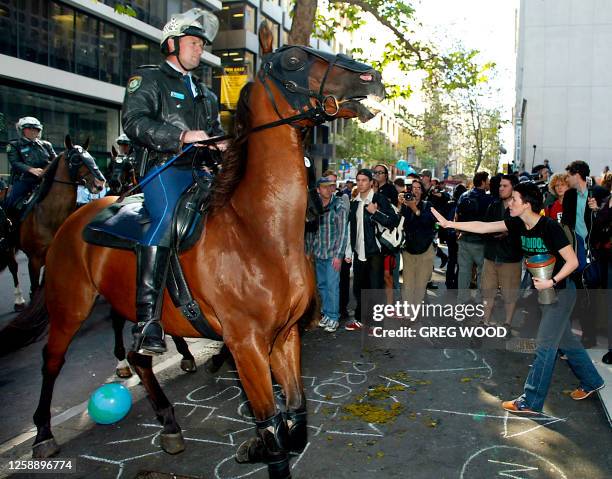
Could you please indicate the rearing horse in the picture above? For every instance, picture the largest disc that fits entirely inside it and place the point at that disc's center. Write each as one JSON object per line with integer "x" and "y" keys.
{"x": 248, "y": 271}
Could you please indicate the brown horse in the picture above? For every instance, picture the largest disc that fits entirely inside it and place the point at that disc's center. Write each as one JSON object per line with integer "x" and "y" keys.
{"x": 55, "y": 203}
{"x": 248, "y": 271}
{"x": 122, "y": 174}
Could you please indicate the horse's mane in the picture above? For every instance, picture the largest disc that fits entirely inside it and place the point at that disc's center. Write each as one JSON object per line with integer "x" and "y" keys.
{"x": 47, "y": 178}
{"x": 234, "y": 159}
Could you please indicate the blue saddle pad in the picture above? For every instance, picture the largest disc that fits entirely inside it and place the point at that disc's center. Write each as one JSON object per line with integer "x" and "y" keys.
{"x": 120, "y": 225}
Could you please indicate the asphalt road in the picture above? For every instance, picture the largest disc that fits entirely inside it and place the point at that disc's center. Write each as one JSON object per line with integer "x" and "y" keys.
{"x": 404, "y": 412}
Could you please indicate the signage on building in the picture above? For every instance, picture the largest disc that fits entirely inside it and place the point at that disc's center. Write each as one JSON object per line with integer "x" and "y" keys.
{"x": 232, "y": 81}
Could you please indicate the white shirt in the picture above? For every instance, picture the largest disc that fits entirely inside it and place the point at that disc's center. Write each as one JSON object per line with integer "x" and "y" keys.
{"x": 193, "y": 88}
{"x": 360, "y": 237}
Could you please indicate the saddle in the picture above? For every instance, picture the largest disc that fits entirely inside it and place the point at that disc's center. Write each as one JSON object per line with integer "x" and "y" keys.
{"x": 123, "y": 225}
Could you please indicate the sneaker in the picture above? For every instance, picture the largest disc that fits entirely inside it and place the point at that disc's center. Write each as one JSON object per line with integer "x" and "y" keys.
{"x": 353, "y": 325}
{"x": 517, "y": 406}
{"x": 332, "y": 326}
{"x": 580, "y": 393}
{"x": 324, "y": 321}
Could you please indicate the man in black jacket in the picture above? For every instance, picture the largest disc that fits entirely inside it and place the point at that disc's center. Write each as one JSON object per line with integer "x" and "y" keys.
{"x": 578, "y": 219}
{"x": 164, "y": 108}
{"x": 367, "y": 209}
{"x": 28, "y": 157}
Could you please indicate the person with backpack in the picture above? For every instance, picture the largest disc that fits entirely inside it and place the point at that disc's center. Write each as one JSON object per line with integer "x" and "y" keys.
{"x": 367, "y": 210}
{"x": 472, "y": 206}
{"x": 418, "y": 253}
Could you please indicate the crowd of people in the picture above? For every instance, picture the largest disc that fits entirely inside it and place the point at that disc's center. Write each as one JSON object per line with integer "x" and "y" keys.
{"x": 566, "y": 215}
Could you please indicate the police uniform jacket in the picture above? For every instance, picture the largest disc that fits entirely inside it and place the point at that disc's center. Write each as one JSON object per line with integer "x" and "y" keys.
{"x": 24, "y": 154}
{"x": 158, "y": 107}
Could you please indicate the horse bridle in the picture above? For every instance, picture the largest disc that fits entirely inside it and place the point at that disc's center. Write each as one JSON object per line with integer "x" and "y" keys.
{"x": 73, "y": 168}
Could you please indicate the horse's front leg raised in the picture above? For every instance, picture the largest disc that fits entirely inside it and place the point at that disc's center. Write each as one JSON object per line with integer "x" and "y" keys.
{"x": 188, "y": 363}
{"x": 287, "y": 369}
{"x": 171, "y": 438}
{"x": 272, "y": 442}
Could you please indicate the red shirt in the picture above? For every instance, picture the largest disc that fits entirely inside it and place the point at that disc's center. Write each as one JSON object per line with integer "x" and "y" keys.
{"x": 555, "y": 211}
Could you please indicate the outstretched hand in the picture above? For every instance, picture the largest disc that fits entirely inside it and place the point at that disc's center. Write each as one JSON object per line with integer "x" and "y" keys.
{"x": 441, "y": 219}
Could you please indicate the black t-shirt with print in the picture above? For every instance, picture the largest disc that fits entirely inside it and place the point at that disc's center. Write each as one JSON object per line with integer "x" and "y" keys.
{"x": 546, "y": 237}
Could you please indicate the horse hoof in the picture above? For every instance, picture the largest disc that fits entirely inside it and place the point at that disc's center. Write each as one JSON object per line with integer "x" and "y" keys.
{"x": 124, "y": 373}
{"x": 19, "y": 307}
{"x": 188, "y": 365}
{"x": 44, "y": 449}
{"x": 251, "y": 450}
{"x": 172, "y": 443}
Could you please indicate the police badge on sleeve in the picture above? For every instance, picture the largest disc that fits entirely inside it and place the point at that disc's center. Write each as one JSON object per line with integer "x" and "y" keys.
{"x": 134, "y": 83}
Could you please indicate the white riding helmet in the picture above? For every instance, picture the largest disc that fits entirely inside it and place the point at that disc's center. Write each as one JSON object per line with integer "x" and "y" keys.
{"x": 28, "y": 122}
{"x": 186, "y": 24}
{"x": 123, "y": 140}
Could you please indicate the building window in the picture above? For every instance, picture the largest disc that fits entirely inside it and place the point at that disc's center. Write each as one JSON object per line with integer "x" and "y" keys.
{"x": 109, "y": 49}
{"x": 237, "y": 16}
{"x": 86, "y": 45}
{"x": 33, "y": 34}
{"x": 61, "y": 47}
{"x": 60, "y": 115}
{"x": 8, "y": 27}
{"x": 238, "y": 67}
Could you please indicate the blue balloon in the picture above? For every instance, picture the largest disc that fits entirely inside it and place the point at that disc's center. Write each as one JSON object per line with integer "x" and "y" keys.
{"x": 402, "y": 165}
{"x": 109, "y": 403}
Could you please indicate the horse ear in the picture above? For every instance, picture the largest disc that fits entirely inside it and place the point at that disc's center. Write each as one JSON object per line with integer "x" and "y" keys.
{"x": 265, "y": 38}
{"x": 86, "y": 144}
{"x": 113, "y": 152}
{"x": 68, "y": 142}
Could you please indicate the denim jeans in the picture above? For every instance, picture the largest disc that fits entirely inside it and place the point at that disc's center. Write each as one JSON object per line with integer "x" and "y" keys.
{"x": 554, "y": 334}
{"x": 469, "y": 253}
{"x": 328, "y": 282}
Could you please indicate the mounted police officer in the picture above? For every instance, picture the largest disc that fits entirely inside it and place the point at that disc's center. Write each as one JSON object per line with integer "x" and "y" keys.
{"x": 28, "y": 156}
{"x": 124, "y": 145}
{"x": 164, "y": 108}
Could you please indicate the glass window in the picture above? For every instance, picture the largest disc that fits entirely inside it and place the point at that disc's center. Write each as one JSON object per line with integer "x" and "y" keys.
{"x": 238, "y": 68}
{"x": 86, "y": 47}
{"x": 139, "y": 52}
{"x": 61, "y": 47}
{"x": 110, "y": 64}
{"x": 237, "y": 16}
{"x": 33, "y": 35}
{"x": 60, "y": 115}
{"x": 8, "y": 27}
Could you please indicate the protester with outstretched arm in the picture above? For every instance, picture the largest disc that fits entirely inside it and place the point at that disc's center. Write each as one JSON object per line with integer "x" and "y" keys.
{"x": 543, "y": 235}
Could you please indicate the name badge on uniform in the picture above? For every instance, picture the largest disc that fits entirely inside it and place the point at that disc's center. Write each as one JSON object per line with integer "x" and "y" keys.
{"x": 175, "y": 94}
{"x": 25, "y": 150}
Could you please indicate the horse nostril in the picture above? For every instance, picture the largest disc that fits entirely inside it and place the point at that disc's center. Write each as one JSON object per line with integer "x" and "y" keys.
{"x": 367, "y": 77}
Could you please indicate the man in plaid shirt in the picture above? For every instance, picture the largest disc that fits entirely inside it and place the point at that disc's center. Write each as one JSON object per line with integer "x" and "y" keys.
{"x": 327, "y": 245}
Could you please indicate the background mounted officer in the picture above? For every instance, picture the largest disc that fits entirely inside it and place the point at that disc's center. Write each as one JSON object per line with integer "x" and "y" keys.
{"x": 28, "y": 156}
{"x": 165, "y": 107}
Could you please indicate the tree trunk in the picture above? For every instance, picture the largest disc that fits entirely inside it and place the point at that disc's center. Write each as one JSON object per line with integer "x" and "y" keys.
{"x": 303, "y": 22}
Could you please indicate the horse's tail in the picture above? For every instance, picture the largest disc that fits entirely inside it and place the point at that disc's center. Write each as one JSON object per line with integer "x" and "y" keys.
{"x": 28, "y": 327}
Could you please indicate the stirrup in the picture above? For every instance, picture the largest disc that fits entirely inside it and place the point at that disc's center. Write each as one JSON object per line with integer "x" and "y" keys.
{"x": 138, "y": 331}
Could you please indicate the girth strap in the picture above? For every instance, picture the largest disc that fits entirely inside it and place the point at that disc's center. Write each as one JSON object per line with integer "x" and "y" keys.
{"x": 181, "y": 297}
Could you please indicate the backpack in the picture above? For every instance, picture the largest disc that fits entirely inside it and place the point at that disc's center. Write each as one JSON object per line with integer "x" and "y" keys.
{"x": 467, "y": 209}
{"x": 392, "y": 240}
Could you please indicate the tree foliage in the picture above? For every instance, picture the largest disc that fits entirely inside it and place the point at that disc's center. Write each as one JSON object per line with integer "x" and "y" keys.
{"x": 364, "y": 146}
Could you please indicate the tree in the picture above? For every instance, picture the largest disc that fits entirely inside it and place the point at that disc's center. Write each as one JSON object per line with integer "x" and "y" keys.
{"x": 455, "y": 70}
{"x": 371, "y": 147}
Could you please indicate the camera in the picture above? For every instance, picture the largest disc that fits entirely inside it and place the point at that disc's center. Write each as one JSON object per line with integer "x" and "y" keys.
{"x": 408, "y": 196}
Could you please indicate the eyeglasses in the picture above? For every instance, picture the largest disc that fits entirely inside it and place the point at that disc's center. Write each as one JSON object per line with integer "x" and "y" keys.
{"x": 378, "y": 172}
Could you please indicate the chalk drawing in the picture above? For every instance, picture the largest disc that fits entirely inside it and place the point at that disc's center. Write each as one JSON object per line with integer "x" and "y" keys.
{"x": 551, "y": 469}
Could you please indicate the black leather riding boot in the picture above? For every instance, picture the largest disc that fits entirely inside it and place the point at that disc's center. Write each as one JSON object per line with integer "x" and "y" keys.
{"x": 152, "y": 266}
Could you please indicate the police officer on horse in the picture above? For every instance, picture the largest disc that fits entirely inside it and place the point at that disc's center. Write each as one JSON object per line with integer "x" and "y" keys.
{"x": 28, "y": 156}
{"x": 165, "y": 107}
